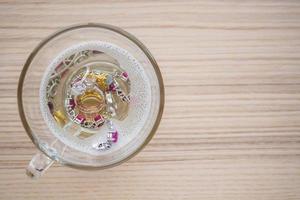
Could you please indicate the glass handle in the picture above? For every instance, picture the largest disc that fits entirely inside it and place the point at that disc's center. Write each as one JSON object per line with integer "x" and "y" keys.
{"x": 38, "y": 165}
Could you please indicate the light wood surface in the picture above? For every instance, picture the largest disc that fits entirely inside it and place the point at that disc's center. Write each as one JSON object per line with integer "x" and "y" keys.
{"x": 231, "y": 126}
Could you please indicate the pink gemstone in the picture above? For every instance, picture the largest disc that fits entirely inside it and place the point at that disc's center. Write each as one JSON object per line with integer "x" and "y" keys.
{"x": 114, "y": 136}
{"x": 125, "y": 74}
{"x": 80, "y": 118}
{"x": 72, "y": 103}
{"x": 98, "y": 118}
{"x": 112, "y": 87}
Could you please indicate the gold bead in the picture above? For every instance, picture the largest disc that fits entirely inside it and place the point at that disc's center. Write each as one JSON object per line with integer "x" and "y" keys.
{"x": 60, "y": 118}
{"x": 101, "y": 81}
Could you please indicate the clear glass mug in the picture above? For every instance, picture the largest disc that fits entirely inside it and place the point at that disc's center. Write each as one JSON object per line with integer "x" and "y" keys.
{"x": 53, "y": 148}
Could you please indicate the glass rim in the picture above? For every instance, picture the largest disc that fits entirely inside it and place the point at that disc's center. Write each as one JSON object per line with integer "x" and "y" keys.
{"x": 79, "y": 26}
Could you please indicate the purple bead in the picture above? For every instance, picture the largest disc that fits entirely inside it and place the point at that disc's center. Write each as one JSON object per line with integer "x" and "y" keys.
{"x": 72, "y": 103}
{"x": 80, "y": 118}
{"x": 98, "y": 118}
{"x": 112, "y": 87}
{"x": 125, "y": 74}
{"x": 114, "y": 136}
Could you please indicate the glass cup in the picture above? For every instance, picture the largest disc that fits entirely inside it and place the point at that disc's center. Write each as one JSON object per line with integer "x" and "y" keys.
{"x": 56, "y": 143}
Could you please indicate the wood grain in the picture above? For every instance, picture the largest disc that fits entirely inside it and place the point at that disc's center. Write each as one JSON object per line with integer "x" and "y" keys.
{"x": 231, "y": 126}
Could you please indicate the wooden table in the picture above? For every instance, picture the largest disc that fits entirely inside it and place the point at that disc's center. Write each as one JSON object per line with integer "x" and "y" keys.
{"x": 231, "y": 126}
